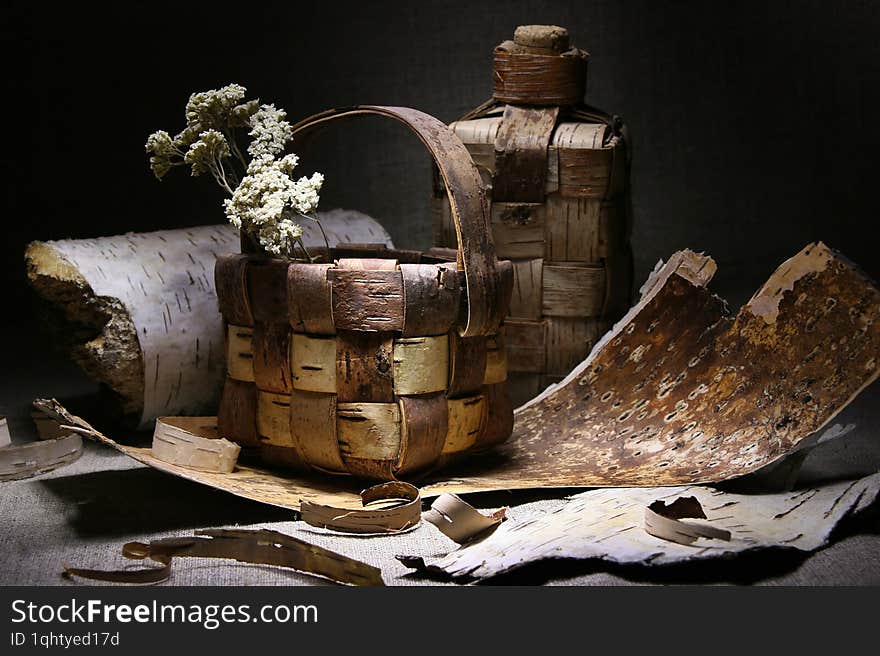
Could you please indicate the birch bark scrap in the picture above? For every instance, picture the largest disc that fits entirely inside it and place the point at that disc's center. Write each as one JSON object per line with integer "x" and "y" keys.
{"x": 261, "y": 547}
{"x": 138, "y": 312}
{"x": 401, "y": 511}
{"x": 55, "y": 448}
{"x": 34, "y": 458}
{"x": 47, "y": 429}
{"x": 460, "y": 521}
{"x": 609, "y": 524}
{"x": 664, "y": 521}
{"x": 182, "y": 441}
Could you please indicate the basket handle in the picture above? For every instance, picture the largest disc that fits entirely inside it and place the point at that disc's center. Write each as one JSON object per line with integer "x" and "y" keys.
{"x": 467, "y": 200}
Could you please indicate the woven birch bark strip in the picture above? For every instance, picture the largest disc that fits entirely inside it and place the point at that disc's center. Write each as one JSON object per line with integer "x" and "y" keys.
{"x": 139, "y": 311}
{"x": 610, "y": 524}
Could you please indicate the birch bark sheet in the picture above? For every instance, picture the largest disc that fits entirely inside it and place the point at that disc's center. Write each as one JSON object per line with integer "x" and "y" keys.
{"x": 609, "y": 524}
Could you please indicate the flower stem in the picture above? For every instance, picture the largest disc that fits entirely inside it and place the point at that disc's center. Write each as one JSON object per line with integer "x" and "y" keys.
{"x": 233, "y": 145}
{"x": 314, "y": 217}
{"x": 305, "y": 250}
{"x": 220, "y": 178}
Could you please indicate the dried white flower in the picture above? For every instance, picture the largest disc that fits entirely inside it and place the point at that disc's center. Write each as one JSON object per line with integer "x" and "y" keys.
{"x": 211, "y": 109}
{"x": 269, "y": 130}
{"x": 267, "y": 197}
{"x": 264, "y": 200}
{"x": 161, "y": 148}
{"x": 240, "y": 115}
{"x": 204, "y": 154}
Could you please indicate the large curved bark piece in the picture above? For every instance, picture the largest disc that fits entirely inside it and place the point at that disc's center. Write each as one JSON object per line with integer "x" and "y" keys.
{"x": 681, "y": 391}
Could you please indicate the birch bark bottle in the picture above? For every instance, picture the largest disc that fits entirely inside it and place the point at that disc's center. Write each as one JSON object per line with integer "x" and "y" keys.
{"x": 558, "y": 170}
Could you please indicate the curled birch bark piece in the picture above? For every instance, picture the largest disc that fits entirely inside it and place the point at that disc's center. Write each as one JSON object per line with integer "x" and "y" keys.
{"x": 175, "y": 440}
{"x": 460, "y": 521}
{"x": 261, "y": 547}
{"x": 608, "y": 524}
{"x": 26, "y": 460}
{"x": 664, "y": 521}
{"x": 394, "y": 519}
{"x": 138, "y": 312}
{"x": 54, "y": 449}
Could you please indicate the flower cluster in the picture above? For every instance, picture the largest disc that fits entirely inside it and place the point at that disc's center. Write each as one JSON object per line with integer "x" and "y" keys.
{"x": 268, "y": 196}
{"x": 264, "y": 196}
{"x": 270, "y": 131}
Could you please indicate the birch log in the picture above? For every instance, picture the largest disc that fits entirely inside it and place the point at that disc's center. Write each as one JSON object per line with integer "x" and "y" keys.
{"x": 138, "y": 312}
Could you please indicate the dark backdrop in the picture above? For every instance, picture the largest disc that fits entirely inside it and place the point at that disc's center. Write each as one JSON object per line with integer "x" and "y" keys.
{"x": 754, "y": 124}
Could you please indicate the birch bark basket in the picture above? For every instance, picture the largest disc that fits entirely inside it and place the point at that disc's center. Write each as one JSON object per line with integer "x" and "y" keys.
{"x": 138, "y": 312}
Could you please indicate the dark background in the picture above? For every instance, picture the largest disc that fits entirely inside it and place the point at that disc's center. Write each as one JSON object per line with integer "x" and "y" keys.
{"x": 754, "y": 124}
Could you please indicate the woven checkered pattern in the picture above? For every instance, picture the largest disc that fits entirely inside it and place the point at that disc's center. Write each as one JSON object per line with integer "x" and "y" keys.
{"x": 570, "y": 252}
{"x": 356, "y": 366}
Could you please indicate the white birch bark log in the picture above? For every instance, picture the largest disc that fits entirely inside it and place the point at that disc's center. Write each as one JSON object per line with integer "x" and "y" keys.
{"x": 140, "y": 310}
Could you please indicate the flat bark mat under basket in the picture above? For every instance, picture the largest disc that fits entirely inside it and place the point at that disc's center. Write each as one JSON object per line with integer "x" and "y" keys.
{"x": 679, "y": 392}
